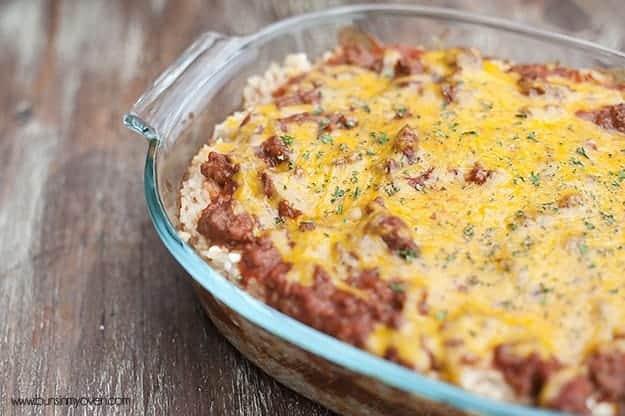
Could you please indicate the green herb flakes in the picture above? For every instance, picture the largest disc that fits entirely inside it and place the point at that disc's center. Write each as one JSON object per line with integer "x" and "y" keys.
{"x": 397, "y": 287}
{"x": 380, "y": 137}
{"x": 407, "y": 254}
{"x": 401, "y": 111}
{"x": 337, "y": 194}
{"x": 441, "y": 315}
{"x": 534, "y": 179}
{"x": 581, "y": 151}
{"x": 287, "y": 140}
{"x": 325, "y": 139}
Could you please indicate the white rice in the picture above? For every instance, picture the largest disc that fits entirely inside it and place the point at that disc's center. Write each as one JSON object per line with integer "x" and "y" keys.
{"x": 194, "y": 195}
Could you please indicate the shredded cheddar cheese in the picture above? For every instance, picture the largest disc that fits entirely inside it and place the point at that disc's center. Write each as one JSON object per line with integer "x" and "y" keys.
{"x": 515, "y": 204}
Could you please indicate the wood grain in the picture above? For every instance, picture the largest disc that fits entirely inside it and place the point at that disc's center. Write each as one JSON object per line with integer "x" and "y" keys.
{"x": 91, "y": 304}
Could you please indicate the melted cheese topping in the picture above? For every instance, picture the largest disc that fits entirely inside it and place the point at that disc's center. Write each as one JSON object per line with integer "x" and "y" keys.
{"x": 534, "y": 256}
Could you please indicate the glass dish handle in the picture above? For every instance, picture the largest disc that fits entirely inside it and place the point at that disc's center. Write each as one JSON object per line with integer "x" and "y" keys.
{"x": 178, "y": 92}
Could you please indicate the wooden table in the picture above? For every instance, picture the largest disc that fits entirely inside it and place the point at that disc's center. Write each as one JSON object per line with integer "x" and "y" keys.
{"x": 91, "y": 303}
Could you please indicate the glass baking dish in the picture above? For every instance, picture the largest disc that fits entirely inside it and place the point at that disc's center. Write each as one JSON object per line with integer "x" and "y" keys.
{"x": 177, "y": 114}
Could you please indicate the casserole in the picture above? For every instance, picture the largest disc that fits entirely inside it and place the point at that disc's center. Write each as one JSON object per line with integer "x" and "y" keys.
{"x": 204, "y": 85}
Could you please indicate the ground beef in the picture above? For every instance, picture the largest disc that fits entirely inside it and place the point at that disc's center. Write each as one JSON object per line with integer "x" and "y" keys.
{"x": 418, "y": 182}
{"x": 326, "y": 308}
{"x": 392, "y": 354}
{"x": 221, "y": 225}
{"x": 285, "y": 210}
{"x": 611, "y": 117}
{"x": 348, "y": 159}
{"x": 297, "y": 119}
{"x": 395, "y": 233}
{"x": 307, "y": 226}
{"x": 542, "y": 71}
{"x": 570, "y": 201}
{"x": 530, "y": 88}
{"x": 281, "y": 90}
{"x": 370, "y": 55}
{"x": 406, "y": 142}
{"x": 297, "y": 97}
{"x": 390, "y": 295}
{"x": 268, "y": 187}
{"x": 376, "y": 205}
{"x": 359, "y": 56}
{"x": 423, "y": 306}
{"x": 414, "y": 84}
{"x": 530, "y": 73}
{"x": 337, "y": 312}
{"x": 220, "y": 169}
{"x": 607, "y": 371}
{"x": 478, "y": 174}
{"x": 573, "y": 395}
{"x": 327, "y": 123}
{"x": 322, "y": 305}
{"x": 409, "y": 62}
{"x": 390, "y": 166}
{"x": 449, "y": 91}
{"x": 260, "y": 260}
{"x": 526, "y": 375}
{"x": 273, "y": 151}
{"x": 336, "y": 121}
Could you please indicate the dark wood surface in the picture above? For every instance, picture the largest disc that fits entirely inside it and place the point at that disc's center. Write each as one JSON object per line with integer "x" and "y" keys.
{"x": 91, "y": 304}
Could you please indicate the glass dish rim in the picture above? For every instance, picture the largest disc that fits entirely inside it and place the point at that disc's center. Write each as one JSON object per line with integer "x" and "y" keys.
{"x": 295, "y": 332}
